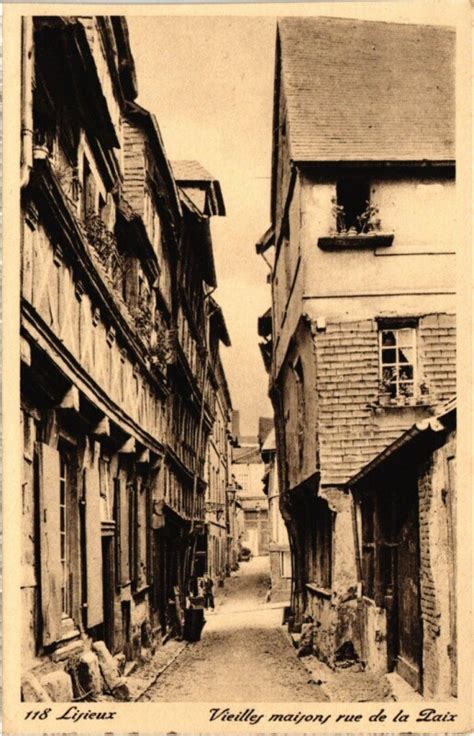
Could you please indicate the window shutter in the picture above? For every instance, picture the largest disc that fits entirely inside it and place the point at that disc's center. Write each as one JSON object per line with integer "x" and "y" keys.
{"x": 95, "y": 606}
{"x": 50, "y": 553}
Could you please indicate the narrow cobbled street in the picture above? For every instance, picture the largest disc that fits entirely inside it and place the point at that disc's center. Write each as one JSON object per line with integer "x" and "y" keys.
{"x": 243, "y": 654}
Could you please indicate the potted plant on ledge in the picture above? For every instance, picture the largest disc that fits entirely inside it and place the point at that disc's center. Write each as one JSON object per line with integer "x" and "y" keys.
{"x": 364, "y": 231}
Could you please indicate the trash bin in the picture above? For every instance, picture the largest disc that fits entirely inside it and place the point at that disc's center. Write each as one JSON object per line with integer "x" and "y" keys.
{"x": 193, "y": 623}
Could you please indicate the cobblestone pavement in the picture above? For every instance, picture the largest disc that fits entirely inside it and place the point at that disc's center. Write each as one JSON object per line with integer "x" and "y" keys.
{"x": 348, "y": 686}
{"x": 243, "y": 654}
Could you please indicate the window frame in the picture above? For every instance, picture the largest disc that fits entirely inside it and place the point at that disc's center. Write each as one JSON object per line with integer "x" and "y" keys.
{"x": 396, "y": 326}
{"x": 69, "y": 528}
{"x": 64, "y": 534}
{"x": 342, "y": 202}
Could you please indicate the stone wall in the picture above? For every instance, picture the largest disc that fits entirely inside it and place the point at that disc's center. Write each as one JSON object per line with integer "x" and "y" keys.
{"x": 437, "y": 580}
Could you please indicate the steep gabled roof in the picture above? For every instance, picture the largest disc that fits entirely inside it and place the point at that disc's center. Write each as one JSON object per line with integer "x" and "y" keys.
{"x": 201, "y": 190}
{"x": 367, "y": 91}
{"x": 218, "y": 322}
{"x": 190, "y": 171}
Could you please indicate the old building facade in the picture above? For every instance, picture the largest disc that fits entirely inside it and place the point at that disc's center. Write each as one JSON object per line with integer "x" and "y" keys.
{"x": 248, "y": 472}
{"x": 278, "y": 546}
{"x": 361, "y": 343}
{"x": 118, "y": 384}
{"x": 220, "y": 506}
{"x": 405, "y": 513}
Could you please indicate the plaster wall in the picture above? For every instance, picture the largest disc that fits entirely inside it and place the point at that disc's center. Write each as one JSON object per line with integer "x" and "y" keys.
{"x": 372, "y": 280}
{"x": 249, "y": 476}
{"x": 300, "y": 467}
{"x": 287, "y": 282}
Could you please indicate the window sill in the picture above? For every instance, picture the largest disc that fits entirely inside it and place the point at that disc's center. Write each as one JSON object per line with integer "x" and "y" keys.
{"x": 412, "y": 403}
{"x": 339, "y": 241}
{"x": 319, "y": 591}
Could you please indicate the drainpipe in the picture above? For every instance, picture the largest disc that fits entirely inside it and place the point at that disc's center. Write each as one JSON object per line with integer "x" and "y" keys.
{"x": 27, "y": 77}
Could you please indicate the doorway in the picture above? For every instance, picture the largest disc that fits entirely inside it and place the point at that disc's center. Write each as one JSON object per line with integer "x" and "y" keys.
{"x": 108, "y": 591}
{"x": 409, "y": 638}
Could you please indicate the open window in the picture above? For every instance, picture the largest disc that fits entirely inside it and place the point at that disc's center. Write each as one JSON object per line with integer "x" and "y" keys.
{"x": 353, "y": 203}
{"x": 88, "y": 190}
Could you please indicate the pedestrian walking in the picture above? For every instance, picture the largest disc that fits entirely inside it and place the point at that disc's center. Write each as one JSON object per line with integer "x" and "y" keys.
{"x": 207, "y": 586}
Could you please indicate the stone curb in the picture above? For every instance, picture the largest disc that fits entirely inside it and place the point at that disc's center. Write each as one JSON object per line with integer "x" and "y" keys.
{"x": 159, "y": 672}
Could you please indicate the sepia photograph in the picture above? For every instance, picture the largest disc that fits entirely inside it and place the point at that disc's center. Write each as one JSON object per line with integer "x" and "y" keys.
{"x": 238, "y": 298}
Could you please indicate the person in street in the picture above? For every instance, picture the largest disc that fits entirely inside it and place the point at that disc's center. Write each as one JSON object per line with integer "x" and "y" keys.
{"x": 207, "y": 586}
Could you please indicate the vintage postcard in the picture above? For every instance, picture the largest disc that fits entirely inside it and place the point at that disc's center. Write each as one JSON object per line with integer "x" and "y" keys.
{"x": 237, "y": 341}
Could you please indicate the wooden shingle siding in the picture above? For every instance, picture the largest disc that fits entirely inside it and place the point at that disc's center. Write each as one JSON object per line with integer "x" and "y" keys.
{"x": 350, "y": 433}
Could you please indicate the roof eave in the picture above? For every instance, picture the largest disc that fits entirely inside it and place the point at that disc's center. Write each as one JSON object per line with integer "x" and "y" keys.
{"x": 383, "y": 163}
{"x": 428, "y": 428}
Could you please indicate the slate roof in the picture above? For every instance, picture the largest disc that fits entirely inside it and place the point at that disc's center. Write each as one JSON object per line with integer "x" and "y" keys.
{"x": 270, "y": 442}
{"x": 246, "y": 455}
{"x": 368, "y": 91}
{"x": 199, "y": 188}
{"x": 265, "y": 426}
{"x": 190, "y": 171}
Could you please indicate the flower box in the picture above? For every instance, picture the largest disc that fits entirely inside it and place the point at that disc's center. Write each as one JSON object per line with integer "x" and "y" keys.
{"x": 346, "y": 241}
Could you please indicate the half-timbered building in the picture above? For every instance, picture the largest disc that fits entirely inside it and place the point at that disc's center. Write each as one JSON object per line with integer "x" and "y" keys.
{"x": 219, "y": 528}
{"x": 117, "y": 403}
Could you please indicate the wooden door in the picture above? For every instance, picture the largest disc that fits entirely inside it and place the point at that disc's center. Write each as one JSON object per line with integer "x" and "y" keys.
{"x": 408, "y": 599}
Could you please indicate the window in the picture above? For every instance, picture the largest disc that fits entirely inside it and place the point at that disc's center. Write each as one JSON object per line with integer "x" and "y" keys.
{"x": 88, "y": 190}
{"x": 397, "y": 354}
{"x": 352, "y": 204}
{"x": 64, "y": 536}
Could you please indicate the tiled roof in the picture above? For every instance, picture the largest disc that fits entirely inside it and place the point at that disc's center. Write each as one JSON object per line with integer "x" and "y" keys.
{"x": 190, "y": 171}
{"x": 368, "y": 91}
{"x": 246, "y": 455}
{"x": 265, "y": 426}
{"x": 270, "y": 442}
{"x": 200, "y": 190}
